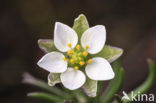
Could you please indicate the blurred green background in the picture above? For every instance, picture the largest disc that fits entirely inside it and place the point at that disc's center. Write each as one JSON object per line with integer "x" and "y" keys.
{"x": 130, "y": 24}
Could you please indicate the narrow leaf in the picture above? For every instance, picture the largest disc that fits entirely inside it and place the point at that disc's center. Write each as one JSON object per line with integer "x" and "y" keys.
{"x": 44, "y": 96}
{"x": 151, "y": 79}
{"x": 80, "y": 25}
{"x": 110, "y": 53}
{"x": 46, "y": 45}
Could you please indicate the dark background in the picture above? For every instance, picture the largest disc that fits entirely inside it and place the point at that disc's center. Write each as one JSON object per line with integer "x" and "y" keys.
{"x": 130, "y": 24}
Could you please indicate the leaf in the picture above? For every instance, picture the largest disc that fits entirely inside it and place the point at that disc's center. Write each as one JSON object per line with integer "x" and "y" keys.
{"x": 110, "y": 53}
{"x": 53, "y": 78}
{"x": 80, "y": 25}
{"x": 46, "y": 45}
{"x": 150, "y": 79}
{"x": 45, "y": 96}
{"x": 144, "y": 87}
{"x": 114, "y": 85}
{"x": 90, "y": 87}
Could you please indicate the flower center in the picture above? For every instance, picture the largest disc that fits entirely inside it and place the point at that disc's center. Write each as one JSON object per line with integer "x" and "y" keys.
{"x": 77, "y": 57}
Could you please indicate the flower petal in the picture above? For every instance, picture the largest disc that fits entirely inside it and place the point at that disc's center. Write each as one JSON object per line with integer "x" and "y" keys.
{"x": 63, "y": 35}
{"x": 99, "y": 69}
{"x": 73, "y": 79}
{"x": 53, "y": 78}
{"x": 95, "y": 38}
{"x": 53, "y": 62}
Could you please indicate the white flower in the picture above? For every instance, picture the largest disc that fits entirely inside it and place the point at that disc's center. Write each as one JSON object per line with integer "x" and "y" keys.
{"x": 74, "y": 59}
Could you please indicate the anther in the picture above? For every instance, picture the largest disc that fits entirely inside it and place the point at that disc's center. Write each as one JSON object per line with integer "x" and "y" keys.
{"x": 85, "y": 53}
{"x": 69, "y": 45}
{"x": 81, "y": 63}
{"x": 64, "y": 58}
{"x": 76, "y": 67}
{"x": 89, "y": 61}
{"x": 78, "y": 47}
{"x": 86, "y": 46}
{"x": 69, "y": 52}
{"x": 72, "y": 61}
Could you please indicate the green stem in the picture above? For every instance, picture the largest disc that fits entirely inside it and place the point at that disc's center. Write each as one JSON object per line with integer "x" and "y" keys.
{"x": 114, "y": 85}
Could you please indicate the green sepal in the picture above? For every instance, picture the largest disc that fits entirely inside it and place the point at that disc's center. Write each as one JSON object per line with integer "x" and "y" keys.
{"x": 90, "y": 87}
{"x": 53, "y": 78}
{"x": 46, "y": 45}
{"x": 110, "y": 53}
{"x": 80, "y": 25}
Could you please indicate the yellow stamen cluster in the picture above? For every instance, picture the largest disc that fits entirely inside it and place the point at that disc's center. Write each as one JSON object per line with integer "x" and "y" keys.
{"x": 85, "y": 53}
{"x": 77, "y": 57}
{"x": 64, "y": 58}
{"x": 78, "y": 47}
{"x": 89, "y": 61}
{"x": 69, "y": 45}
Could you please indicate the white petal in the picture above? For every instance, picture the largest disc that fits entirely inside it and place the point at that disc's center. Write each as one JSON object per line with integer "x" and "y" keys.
{"x": 95, "y": 38}
{"x": 73, "y": 79}
{"x": 53, "y": 62}
{"x": 63, "y": 34}
{"x": 99, "y": 69}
